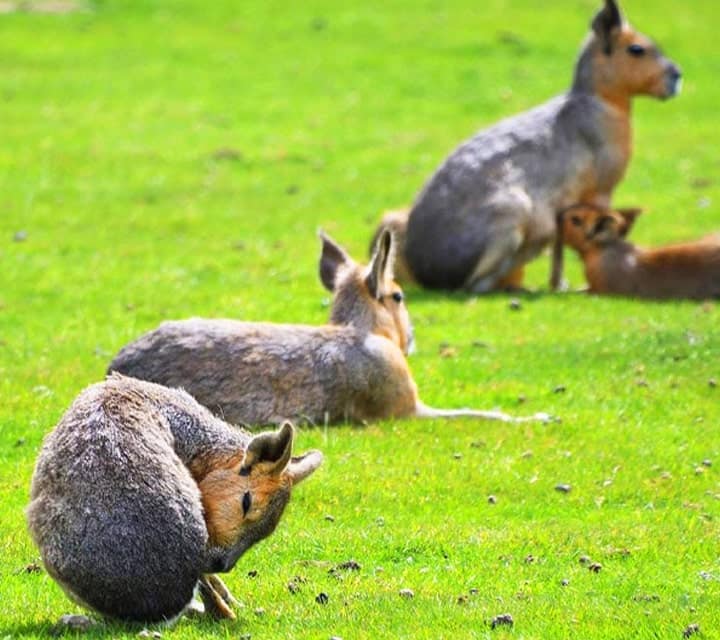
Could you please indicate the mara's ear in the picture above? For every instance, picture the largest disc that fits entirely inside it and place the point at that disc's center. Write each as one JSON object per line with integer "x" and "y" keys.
{"x": 272, "y": 448}
{"x": 606, "y": 23}
{"x": 606, "y": 229}
{"x": 332, "y": 257}
{"x": 381, "y": 264}
{"x": 629, "y": 215}
{"x": 301, "y": 467}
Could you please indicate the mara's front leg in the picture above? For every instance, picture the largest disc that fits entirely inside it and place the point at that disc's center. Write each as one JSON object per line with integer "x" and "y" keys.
{"x": 216, "y": 597}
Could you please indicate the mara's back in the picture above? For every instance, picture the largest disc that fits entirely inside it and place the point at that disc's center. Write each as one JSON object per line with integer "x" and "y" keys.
{"x": 115, "y": 513}
{"x": 688, "y": 270}
{"x": 263, "y": 373}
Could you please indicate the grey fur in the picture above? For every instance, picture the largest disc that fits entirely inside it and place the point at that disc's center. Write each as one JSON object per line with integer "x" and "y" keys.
{"x": 115, "y": 509}
{"x": 262, "y": 373}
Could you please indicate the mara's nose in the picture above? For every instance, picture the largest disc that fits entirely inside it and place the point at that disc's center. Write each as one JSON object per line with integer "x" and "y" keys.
{"x": 674, "y": 72}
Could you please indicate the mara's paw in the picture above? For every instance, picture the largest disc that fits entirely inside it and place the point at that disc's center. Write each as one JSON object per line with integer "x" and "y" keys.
{"x": 216, "y": 598}
{"x": 73, "y": 623}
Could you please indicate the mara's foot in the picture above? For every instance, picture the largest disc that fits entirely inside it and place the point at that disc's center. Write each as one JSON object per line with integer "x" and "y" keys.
{"x": 217, "y": 598}
{"x": 73, "y": 623}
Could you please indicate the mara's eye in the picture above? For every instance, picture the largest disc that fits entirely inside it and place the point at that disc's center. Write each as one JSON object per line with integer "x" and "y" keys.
{"x": 576, "y": 221}
{"x": 397, "y": 296}
{"x": 636, "y": 50}
{"x": 246, "y": 502}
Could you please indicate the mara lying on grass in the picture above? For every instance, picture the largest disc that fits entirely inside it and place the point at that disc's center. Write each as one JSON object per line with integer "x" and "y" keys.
{"x": 353, "y": 368}
{"x": 140, "y": 493}
{"x": 615, "y": 266}
{"x": 490, "y": 207}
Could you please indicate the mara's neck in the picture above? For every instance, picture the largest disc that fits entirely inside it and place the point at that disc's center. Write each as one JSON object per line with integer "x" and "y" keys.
{"x": 204, "y": 442}
{"x": 350, "y": 309}
{"x": 586, "y": 81}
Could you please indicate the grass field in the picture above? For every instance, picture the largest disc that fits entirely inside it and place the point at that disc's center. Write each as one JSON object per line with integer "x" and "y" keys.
{"x": 175, "y": 158}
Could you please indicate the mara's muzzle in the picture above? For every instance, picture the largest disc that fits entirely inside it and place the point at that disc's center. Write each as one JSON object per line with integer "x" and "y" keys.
{"x": 673, "y": 80}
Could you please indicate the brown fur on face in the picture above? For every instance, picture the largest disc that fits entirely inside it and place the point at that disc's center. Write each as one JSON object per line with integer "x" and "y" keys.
{"x": 390, "y": 315}
{"x": 223, "y": 492}
{"x": 243, "y": 502}
{"x": 627, "y": 63}
{"x": 585, "y": 227}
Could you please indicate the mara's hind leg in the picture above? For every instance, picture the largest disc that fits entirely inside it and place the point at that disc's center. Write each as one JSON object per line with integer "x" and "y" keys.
{"x": 512, "y": 281}
{"x": 503, "y": 229}
{"x": 496, "y": 263}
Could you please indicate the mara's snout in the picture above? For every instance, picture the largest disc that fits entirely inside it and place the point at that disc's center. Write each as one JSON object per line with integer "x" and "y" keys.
{"x": 673, "y": 81}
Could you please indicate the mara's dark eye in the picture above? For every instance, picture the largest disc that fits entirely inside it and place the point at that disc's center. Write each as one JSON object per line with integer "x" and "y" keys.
{"x": 397, "y": 296}
{"x": 636, "y": 50}
{"x": 246, "y": 502}
{"x": 576, "y": 221}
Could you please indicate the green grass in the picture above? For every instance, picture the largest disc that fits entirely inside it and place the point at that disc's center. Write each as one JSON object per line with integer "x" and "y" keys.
{"x": 111, "y": 124}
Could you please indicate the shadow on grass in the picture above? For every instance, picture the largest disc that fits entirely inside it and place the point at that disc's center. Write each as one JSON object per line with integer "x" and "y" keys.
{"x": 419, "y": 295}
{"x": 112, "y": 629}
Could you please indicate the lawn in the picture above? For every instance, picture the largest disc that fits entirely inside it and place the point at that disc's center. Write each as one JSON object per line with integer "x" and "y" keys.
{"x": 176, "y": 158}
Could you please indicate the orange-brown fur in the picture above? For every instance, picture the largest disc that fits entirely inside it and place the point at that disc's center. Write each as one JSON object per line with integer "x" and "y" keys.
{"x": 615, "y": 266}
{"x": 221, "y": 491}
{"x": 620, "y": 76}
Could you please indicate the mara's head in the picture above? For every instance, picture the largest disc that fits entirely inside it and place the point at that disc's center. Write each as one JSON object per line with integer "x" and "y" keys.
{"x": 243, "y": 504}
{"x": 367, "y": 297}
{"x": 586, "y": 227}
{"x": 619, "y": 62}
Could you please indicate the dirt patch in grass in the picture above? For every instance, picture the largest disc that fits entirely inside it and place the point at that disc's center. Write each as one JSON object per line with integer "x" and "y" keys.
{"x": 57, "y": 7}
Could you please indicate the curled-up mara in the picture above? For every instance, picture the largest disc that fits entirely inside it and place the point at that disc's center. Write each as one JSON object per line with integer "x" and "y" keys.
{"x": 140, "y": 495}
{"x": 615, "y": 266}
{"x": 352, "y": 369}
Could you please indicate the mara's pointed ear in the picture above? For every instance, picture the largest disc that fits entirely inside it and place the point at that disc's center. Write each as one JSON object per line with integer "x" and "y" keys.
{"x": 381, "y": 264}
{"x": 272, "y": 448}
{"x": 301, "y": 467}
{"x": 332, "y": 257}
{"x": 607, "y": 228}
{"x": 629, "y": 215}
{"x": 606, "y": 23}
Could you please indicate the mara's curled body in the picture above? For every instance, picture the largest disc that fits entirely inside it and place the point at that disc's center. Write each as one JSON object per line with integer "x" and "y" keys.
{"x": 139, "y": 493}
{"x": 353, "y": 368}
{"x": 490, "y": 207}
{"x": 614, "y": 266}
